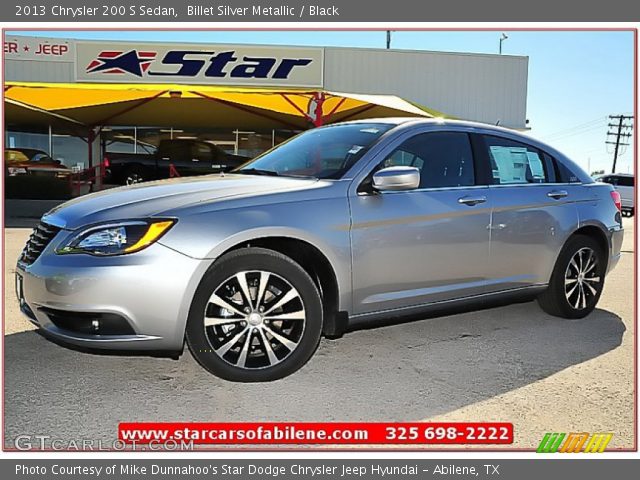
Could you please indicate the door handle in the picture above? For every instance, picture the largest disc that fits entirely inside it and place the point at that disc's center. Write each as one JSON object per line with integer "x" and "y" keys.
{"x": 557, "y": 194}
{"x": 471, "y": 201}
{"x": 497, "y": 226}
{"x": 195, "y": 159}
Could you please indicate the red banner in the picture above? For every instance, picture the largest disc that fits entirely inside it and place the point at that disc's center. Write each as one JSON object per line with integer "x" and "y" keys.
{"x": 295, "y": 433}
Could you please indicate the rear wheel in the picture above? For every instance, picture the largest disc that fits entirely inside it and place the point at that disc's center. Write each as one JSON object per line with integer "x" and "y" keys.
{"x": 577, "y": 280}
{"x": 134, "y": 174}
{"x": 256, "y": 316}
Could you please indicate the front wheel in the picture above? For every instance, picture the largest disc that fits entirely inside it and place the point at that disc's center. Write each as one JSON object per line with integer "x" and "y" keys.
{"x": 256, "y": 316}
{"x": 577, "y": 280}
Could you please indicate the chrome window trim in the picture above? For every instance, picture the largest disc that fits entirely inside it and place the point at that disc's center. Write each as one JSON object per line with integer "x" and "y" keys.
{"x": 471, "y": 187}
{"x": 428, "y": 189}
{"x": 550, "y": 184}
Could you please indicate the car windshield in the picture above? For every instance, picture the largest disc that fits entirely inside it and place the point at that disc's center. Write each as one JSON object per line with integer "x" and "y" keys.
{"x": 326, "y": 152}
{"x": 41, "y": 157}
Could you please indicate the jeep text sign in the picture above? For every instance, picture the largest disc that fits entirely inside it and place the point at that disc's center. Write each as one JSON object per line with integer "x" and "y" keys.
{"x": 214, "y": 64}
{"x": 38, "y": 49}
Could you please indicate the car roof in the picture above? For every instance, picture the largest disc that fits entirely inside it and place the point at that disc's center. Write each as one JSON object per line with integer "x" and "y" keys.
{"x": 432, "y": 121}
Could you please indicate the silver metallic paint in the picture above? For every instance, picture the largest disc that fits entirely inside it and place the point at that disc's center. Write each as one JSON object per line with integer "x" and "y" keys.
{"x": 389, "y": 251}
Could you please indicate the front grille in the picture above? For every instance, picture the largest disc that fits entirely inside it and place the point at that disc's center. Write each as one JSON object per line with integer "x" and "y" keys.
{"x": 39, "y": 239}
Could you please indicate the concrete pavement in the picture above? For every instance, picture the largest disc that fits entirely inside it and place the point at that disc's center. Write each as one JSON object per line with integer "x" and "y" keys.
{"x": 511, "y": 363}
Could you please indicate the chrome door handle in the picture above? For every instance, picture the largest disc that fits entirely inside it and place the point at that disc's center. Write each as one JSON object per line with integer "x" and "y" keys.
{"x": 497, "y": 226}
{"x": 471, "y": 201}
{"x": 195, "y": 159}
{"x": 557, "y": 194}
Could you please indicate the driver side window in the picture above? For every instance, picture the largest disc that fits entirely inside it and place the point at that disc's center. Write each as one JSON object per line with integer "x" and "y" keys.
{"x": 444, "y": 159}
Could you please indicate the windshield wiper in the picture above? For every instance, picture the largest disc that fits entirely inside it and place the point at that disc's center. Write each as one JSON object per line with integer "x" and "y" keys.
{"x": 258, "y": 171}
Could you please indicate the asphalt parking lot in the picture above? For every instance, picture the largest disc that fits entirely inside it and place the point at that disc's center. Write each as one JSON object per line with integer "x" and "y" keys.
{"x": 511, "y": 363}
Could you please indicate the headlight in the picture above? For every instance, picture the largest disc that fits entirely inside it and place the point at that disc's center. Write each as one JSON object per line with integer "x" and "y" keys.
{"x": 116, "y": 238}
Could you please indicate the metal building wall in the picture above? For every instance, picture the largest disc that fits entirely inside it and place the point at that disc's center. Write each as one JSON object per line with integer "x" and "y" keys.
{"x": 40, "y": 71}
{"x": 484, "y": 88}
{"x": 480, "y": 87}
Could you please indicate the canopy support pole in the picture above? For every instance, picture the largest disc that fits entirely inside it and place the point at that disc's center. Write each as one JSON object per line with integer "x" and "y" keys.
{"x": 293, "y": 104}
{"x": 50, "y": 141}
{"x": 318, "y": 119}
{"x": 319, "y": 114}
{"x": 90, "y": 138}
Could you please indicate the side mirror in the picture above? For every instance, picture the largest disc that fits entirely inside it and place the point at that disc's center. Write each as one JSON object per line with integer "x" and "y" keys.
{"x": 396, "y": 178}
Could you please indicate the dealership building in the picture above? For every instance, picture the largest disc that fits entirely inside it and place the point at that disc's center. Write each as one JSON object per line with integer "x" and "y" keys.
{"x": 77, "y": 99}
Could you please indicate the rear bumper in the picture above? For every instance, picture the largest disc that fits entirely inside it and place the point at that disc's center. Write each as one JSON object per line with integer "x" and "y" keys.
{"x": 615, "y": 246}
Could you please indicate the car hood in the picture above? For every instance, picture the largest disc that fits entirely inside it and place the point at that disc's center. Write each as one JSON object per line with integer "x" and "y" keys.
{"x": 162, "y": 197}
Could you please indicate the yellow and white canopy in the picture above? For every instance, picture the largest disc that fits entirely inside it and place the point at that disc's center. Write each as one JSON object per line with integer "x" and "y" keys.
{"x": 164, "y": 105}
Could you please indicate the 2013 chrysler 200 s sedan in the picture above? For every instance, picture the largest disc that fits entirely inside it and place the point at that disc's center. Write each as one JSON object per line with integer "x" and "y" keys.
{"x": 341, "y": 224}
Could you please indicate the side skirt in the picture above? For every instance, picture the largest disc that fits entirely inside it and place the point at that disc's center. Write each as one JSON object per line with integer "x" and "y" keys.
{"x": 444, "y": 307}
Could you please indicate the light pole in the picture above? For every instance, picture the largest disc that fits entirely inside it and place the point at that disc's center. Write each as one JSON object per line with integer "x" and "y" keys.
{"x": 503, "y": 37}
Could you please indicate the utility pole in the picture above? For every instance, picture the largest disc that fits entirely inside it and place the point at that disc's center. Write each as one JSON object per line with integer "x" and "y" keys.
{"x": 620, "y": 126}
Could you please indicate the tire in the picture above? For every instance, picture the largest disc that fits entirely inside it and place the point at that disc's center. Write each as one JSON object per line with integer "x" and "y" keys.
{"x": 575, "y": 286}
{"x": 134, "y": 174}
{"x": 253, "y": 346}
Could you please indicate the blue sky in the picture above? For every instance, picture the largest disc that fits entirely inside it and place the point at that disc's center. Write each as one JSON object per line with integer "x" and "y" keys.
{"x": 576, "y": 79}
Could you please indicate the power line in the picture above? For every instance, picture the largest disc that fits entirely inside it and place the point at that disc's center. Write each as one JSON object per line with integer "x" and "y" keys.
{"x": 620, "y": 126}
{"x": 590, "y": 123}
{"x": 582, "y": 131}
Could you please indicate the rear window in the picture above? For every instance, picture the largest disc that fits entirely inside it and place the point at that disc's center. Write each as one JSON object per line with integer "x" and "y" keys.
{"x": 562, "y": 173}
{"x": 625, "y": 181}
{"x": 618, "y": 180}
{"x": 15, "y": 156}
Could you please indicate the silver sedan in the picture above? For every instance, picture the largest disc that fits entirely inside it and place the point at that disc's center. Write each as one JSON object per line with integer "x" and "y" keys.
{"x": 339, "y": 226}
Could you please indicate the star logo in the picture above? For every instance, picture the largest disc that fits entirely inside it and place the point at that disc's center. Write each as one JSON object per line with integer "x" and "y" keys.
{"x": 133, "y": 62}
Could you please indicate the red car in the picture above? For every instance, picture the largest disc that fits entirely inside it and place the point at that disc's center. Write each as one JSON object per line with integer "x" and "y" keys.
{"x": 30, "y": 161}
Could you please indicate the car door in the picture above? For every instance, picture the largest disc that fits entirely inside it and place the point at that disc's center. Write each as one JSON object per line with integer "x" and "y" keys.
{"x": 533, "y": 213}
{"x": 205, "y": 158}
{"x": 424, "y": 245}
{"x": 175, "y": 153}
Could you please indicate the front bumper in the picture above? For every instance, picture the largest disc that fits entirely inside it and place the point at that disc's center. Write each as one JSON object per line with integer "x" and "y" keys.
{"x": 148, "y": 292}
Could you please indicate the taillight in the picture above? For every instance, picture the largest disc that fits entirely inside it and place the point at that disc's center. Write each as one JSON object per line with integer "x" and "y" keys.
{"x": 105, "y": 162}
{"x": 615, "y": 196}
